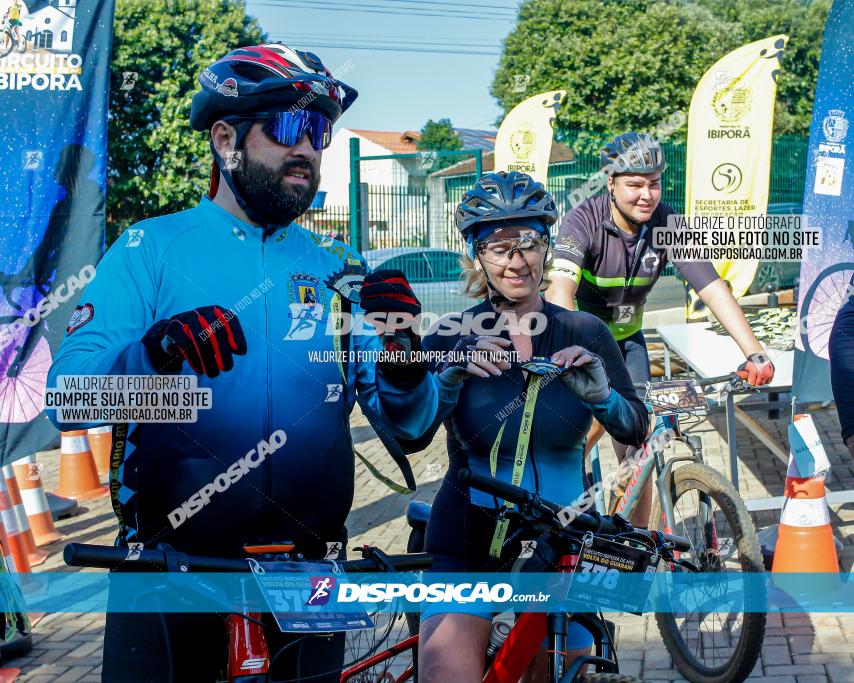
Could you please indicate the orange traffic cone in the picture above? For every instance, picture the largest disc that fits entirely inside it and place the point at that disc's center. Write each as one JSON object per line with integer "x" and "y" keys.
{"x": 6, "y": 550}
{"x": 78, "y": 476}
{"x": 28, "y": 476}
{"x": 805, "y": 540}
{"x": 16, "y": 545}
{"x": 36, "y": 556}
{"x": 101, "y": 442}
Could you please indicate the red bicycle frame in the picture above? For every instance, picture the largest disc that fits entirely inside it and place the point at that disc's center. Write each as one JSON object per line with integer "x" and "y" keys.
{"x": 248, "y": 653}
{"x": 520, "y": 648}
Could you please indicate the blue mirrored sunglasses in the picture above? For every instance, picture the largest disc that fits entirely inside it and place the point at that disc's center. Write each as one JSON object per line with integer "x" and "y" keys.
{"x": 288, "y": 127}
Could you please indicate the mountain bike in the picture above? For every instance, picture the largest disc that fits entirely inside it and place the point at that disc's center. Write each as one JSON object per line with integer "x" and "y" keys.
{"x": 699, "y": 503}
{"x": 249, "y": 659}
{"x": 563, "y": 540}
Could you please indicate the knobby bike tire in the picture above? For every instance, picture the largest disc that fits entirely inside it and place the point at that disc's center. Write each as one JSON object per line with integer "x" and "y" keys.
{"x": 610, "y": 678}
{"x": 700, "y": 477}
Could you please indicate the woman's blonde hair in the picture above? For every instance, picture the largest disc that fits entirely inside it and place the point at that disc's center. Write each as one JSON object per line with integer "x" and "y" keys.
{"x": 475, "y": 281}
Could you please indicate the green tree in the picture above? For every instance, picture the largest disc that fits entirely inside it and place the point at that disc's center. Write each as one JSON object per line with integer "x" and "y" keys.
{"x": 629, "y": 64}
{"x": 156, "y": 163}
{"x": 439, "y": 136}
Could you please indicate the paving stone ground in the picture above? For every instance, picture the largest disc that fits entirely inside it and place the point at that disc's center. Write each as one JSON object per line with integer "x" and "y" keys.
{"x": 803, "y": 648}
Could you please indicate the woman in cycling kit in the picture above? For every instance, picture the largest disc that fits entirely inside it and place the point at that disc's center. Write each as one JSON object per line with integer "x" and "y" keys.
{"x": 606, "y": 264}
{"x": 487, "y": 402}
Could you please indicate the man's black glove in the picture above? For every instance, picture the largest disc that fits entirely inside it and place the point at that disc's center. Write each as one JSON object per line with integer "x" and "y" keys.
{"x": 392, "y": 306}
{"x": 206, "y": 337}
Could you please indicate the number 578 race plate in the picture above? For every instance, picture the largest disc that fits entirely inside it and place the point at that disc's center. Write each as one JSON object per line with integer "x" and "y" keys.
{"x": 600, "y": 575}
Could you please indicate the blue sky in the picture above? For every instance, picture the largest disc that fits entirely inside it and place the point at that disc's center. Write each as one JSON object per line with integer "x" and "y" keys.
{"x": 400, "y": 90}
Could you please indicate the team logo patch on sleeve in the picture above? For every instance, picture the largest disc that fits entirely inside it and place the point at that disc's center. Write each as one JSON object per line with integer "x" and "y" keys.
{"x": 81, "y": 316}
{"x": 569, "y": 245}
{"x": 348, "y": 281}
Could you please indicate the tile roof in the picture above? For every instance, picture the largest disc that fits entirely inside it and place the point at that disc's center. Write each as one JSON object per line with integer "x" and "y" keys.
{"x": 393, "y": 141}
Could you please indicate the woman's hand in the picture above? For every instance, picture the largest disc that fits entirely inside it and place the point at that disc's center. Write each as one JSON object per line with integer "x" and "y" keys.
{"x": 484, "y": 357}
{"x": 585, "y": 374}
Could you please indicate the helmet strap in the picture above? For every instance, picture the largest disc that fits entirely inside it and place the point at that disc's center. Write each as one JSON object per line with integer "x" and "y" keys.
{"x": 497, "y": 298}
{"x": 242, "y": 128}
{"x": 631, "y": 221}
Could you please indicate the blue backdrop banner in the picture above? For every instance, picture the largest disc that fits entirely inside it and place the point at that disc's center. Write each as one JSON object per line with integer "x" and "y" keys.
{"x": 829, "y": 205}
{"x": 54, "y": 86}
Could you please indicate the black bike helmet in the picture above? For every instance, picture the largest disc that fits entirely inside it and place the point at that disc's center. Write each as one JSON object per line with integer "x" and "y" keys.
{"x": 633, "y": 153}
{"x": 503, "y": 196}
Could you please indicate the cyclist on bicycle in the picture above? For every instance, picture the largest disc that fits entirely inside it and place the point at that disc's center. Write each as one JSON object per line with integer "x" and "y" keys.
{"x": 606, "y": 264}
{"x": 14, "y": 17}
{"x": 505, "y": 221}
{"x": 216, "y": 291}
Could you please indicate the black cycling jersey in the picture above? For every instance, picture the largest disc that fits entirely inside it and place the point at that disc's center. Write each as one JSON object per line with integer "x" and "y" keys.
{"x": 463, "y": 519}
{"x": 615, "y": 270}
{"x": 841, "y": 350}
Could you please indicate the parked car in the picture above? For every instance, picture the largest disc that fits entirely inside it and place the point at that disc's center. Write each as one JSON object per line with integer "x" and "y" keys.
{"x": 434, "y": 273}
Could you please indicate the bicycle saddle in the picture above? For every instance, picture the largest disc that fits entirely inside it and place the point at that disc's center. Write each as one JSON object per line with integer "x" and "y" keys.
{"x": 417, "y": 513}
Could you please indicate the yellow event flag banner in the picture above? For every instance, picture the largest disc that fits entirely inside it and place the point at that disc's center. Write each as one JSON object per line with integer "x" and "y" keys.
{"x": 728, "y": 166}
{"x": 524, "y": 139}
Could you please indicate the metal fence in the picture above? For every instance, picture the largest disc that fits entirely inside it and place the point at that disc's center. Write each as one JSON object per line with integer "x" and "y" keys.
{"x": 403, "y": 208}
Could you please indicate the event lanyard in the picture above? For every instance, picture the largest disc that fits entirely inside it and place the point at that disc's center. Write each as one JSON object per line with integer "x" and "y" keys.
{"x": 338, "y": 325}
{"x": 519, "y": 459}
{"x": 338, "y": 320}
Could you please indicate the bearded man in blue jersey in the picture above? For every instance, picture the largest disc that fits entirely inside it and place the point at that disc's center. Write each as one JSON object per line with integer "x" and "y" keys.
{"x": 235, "y": 292}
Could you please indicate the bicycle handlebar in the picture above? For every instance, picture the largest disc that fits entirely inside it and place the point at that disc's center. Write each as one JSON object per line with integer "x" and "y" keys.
{"x": 581, "y": 521}
{"x": 111, "y": 557}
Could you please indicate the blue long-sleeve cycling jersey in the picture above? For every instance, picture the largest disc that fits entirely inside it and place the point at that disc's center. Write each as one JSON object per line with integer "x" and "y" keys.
{"x": 275, "y": 284}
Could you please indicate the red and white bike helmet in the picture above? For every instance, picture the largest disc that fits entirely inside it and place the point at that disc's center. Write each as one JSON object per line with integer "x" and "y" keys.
{"x": 267, "y": 77}
{"x": 262, "y": 79}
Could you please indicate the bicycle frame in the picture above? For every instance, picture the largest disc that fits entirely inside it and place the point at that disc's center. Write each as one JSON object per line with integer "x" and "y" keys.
{"x": 525, "y": 640}
{"x": 654, "y": 458}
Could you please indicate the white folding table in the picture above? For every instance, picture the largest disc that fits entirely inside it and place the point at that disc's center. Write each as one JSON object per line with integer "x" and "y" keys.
{"x": 712, "y": 355}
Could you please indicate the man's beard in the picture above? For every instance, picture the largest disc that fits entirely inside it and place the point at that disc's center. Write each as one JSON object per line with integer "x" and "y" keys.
{"x": 269, "y": 199}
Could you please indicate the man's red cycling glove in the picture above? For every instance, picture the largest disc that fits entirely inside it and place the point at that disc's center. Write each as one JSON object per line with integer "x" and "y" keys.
{"x": 207, "y": 338}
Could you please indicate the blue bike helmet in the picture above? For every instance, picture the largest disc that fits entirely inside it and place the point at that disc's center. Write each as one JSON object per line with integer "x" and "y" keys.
{"x": 499, "y": 199}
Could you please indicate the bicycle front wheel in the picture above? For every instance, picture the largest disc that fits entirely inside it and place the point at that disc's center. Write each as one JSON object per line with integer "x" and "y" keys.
{"x": 387, "y": 653}
{"x": 720, "y": 646}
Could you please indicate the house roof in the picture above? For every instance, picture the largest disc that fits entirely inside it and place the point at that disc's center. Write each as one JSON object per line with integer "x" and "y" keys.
{"x": 406, "y": 142}
{"x": 393, "y": 141}
{"x": 473, "y": 138}
{"x": 560, "y": 153}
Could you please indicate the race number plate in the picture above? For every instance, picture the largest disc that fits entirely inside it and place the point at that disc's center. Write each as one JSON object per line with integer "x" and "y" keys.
{"x": 299, "y": 593}
{"x": 600, "y": 574}
{"x": 677, "y": 396}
